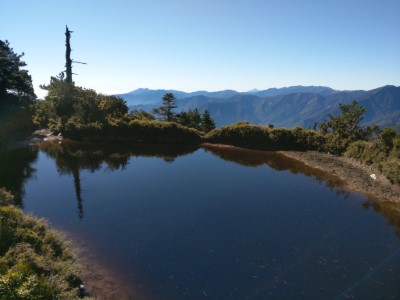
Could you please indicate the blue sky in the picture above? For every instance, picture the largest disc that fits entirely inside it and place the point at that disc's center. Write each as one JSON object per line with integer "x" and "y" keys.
{"x": 209, "y": 44}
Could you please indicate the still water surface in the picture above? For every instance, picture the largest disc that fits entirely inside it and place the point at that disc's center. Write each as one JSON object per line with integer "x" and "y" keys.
{"x": 216, "y": 223}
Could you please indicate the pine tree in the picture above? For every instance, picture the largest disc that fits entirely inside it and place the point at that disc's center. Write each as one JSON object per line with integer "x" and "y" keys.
{"x": 166, "y": 111}
{"x": 195, "y": 118}
{"x": 207, "y": 122}
{"x": 183, "y": 118}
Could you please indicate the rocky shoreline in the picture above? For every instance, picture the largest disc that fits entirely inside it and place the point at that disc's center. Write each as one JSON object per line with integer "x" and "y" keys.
{"x": 359, "y": 177}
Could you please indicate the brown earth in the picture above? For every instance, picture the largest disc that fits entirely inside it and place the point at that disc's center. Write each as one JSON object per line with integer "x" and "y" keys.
{"x": 357, "y": 175}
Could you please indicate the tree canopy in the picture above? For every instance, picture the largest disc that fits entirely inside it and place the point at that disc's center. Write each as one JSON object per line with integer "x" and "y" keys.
{"x": 16, "y": 96}
{"x": 207, "y": 122}
{"x": 66, "y": 102}
{"x": 191, "y": 118}
{"x": 166, "y": 111}
{"x": 13, "y": 79}
{"x": 347, "y": 124}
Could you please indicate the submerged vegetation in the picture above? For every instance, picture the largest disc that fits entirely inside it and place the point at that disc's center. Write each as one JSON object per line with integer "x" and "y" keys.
{"x": 35, "y": 262}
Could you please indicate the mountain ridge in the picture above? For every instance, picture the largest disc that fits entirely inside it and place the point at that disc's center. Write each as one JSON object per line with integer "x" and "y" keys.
{"x": 147, "y": 96}
{"x": 284, "y": 107}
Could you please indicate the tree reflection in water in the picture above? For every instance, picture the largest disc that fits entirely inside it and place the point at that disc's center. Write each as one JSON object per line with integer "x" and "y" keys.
{"x": 72, "y": 157}
{"x": 16, "y": 169}
{"x": 16, "y": 166}
{"x": 280, "y": 162}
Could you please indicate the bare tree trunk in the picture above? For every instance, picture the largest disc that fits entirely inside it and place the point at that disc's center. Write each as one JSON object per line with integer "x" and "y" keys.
{"x": 68, "y": 64}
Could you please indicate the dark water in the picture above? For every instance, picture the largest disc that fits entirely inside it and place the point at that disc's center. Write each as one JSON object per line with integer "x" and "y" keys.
{"x": 216, "y": 223}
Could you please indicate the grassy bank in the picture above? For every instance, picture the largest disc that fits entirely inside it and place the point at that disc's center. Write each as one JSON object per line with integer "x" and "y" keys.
{"x": 382, "y": 152}
{"x": 35, "y": 262}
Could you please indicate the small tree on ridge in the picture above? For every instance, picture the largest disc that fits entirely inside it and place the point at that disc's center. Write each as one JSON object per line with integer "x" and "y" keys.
{"x": 207, "y": 123}
{"x": 166, "y": 111}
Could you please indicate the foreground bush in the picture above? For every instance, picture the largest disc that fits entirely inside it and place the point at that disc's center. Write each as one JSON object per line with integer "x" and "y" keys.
{"x": 35, "y": 263}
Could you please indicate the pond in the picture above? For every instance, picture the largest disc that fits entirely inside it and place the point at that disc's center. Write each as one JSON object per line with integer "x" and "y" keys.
{"x": 212, "y": 222}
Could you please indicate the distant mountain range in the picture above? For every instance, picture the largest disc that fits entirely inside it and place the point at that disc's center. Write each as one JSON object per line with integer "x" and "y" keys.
{"x": 283, "y": 107}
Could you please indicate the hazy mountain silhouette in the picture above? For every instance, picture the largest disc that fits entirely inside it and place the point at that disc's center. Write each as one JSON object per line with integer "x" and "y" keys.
{"x": 285, "y": 107}
{"x": 145, "y": 96}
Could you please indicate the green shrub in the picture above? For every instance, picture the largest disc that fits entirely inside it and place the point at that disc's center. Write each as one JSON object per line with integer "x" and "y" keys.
{"x": 386, "y": 137}
{"x": 21, "y": 282}
{"x": 305, "y": 139}
{"x": 140, "y": 131}
{"x": 35, "y": 262}
{"x": 6, "y": 197}
{"x": 335, "y": 144}
{"x": 396, "y": 147}
{"x": 391, "y": 169}
{"x": 366, "y": 152}
{"x": 241, "y": 134}
{"x": 357, "y": 150}
{"x": 374, "y": 153}
{"x": 281, "y": 137}
{"x": 267, "y": 138}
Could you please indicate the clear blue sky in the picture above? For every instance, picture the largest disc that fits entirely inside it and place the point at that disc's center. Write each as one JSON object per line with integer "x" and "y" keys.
{"x": 209, "y": 44}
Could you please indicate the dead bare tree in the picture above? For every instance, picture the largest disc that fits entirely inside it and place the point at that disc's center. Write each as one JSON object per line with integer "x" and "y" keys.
{"x": 68, "y": 60}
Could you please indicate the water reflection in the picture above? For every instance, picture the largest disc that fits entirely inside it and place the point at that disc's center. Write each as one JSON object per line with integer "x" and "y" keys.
{"x": 253, "y": 158}
{"x": 389, "y": 210}
{"x": 72, "y": 157}
{"x": 279, "y": 162}
{"x": 16, "y": 169}
{"x": 213, "y": 227}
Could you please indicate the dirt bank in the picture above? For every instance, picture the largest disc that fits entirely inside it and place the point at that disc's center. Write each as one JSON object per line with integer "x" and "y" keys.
{"x": 357, "y": 175}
